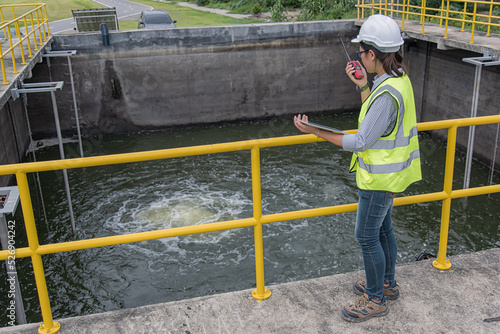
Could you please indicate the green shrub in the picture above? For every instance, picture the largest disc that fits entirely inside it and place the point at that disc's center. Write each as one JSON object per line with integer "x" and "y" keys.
{"x": 202, "y": 2}
{"x": 269, "y": 3}
{"x": 242, "y": 6}
{"x": 311, "y": 9}
{"x": 292, "y": 3}
{"x": 334, "y": 13}
{"x": 496, "y": 10}
{"x": 324, "y": 9}
{"x": 278, "y": 12}
{"x": 256, "y": 8}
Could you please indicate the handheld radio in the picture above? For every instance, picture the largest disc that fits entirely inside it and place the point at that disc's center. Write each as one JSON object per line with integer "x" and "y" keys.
{"x": 358, "y": 73}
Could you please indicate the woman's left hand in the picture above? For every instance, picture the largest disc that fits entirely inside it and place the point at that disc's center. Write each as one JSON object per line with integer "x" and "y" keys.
{"x": 301, "y": 126}
{"x": 349, "y": 70}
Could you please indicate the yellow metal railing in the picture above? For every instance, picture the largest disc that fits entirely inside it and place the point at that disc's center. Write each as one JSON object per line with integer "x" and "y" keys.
{"x": 35, "y": 250}
{"x": 34, "y": 21}
{"x": 485, "y": 14}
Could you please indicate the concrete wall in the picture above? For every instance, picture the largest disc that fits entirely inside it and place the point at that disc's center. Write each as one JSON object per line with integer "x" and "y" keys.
{"x": 14, "y": 138}
{"x": 443, "y": 86}
{"x": 155, "y": 79}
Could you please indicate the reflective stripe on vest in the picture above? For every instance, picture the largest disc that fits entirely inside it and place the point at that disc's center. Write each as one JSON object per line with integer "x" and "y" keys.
{"x": 389, "y": 168}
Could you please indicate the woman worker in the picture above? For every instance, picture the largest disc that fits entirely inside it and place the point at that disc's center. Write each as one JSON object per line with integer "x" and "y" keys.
{"x": 385, "y": 157}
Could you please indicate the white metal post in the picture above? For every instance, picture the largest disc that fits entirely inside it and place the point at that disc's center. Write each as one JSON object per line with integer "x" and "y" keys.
{"x": 51, "y": 87}
{"x": 486, "y": 60}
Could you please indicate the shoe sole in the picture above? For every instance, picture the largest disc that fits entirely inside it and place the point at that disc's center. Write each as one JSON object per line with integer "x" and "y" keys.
{"x": 351, "y": 319}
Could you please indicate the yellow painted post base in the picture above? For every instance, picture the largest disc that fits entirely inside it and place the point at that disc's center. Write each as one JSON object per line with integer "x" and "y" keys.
{"x": 55, "y": 329}
{"x": 261, "y": 297}
{"x": 445, "y": 266}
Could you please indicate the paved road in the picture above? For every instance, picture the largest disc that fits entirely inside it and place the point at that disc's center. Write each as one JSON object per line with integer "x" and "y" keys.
{"x": 124, "y": 8}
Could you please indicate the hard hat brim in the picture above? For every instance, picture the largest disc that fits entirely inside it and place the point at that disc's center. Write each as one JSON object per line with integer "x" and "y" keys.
{"x": 383, "y": 49}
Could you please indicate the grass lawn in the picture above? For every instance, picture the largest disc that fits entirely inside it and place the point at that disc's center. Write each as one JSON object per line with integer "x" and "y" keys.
{"x": 186, "y": 17}
{"x": 56, "y": 9}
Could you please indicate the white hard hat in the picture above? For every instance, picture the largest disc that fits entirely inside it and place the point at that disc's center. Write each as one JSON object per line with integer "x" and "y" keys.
{"x": 381, "y": 32}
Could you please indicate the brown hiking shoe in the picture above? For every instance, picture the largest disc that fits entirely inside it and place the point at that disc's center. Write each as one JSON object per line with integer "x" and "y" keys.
{"x": 364, "y": 309}
{"x": 359, "y": 288}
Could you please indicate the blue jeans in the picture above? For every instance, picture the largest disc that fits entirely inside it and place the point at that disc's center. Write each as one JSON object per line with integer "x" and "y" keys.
{"x": 375, "y": 235}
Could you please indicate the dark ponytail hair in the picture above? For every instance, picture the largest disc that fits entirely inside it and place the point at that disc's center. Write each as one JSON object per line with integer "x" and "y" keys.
{"x": 392, "y": 62}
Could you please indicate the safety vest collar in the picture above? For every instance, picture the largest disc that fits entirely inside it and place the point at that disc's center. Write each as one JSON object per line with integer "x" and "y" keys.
{"x": 379, "y": 80}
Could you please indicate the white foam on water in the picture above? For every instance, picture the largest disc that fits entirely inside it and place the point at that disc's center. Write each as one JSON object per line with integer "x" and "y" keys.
{"x": 181, "y": 208}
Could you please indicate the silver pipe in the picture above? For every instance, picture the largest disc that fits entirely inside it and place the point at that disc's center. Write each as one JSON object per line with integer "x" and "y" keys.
{"x": 487, "y": 60}
{"x": 75, "y": 106}
{"x": 472, "y": 129}
{"x": 61, "y": 152}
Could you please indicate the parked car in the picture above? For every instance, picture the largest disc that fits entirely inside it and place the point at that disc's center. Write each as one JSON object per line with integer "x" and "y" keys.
{"x": 155, "y": 19}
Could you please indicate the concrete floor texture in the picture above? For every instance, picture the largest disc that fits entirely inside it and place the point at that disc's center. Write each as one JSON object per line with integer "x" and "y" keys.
{"x": 458, "y": 300}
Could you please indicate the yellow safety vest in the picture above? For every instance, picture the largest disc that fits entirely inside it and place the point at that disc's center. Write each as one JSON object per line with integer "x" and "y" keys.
{"x": 392, "y": 163}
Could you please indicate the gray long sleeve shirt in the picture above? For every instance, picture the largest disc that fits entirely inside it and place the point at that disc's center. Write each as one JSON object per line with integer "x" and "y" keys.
{"x": 379, "y": 121}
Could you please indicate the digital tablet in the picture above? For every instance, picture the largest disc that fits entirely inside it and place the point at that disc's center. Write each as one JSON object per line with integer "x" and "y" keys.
{"x": 323, "y": 127}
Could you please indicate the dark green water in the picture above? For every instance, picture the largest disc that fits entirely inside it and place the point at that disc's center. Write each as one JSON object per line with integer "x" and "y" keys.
{"x": 169, "y": 193}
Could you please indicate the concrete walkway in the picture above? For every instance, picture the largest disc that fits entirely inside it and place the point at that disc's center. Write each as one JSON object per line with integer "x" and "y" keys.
{"x": 224, "y": 12}
{"x": 431, "y": 301}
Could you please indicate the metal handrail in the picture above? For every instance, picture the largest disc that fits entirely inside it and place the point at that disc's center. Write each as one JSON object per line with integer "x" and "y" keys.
{"x": 35, "y": 250}
{"x": 32, "y": 26}
{"x": 445, "y": 12}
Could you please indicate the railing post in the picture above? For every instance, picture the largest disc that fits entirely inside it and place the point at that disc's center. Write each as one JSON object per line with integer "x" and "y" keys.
{"x": 442, "y": 262}
{"x": 463, "y": 16}
{"x": 473, "y": 24}
{"x": 2, "y": 63}
{"x": 38, "y": 27}
{"x": 18, "y": 33}
{"x": 446, "y": 20}
{"x": 260, "y": 292}
{"x": 47, "y": 32}
{"x": 489, "y": 18}
{"x": 30, "y": 54}
{"x": 441, "y": 14}
{"x": 13, "y": 56}
{"x": 49, "y": 326}
{"x": 423, "y": 12}
{"x": 403, "y": 16}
